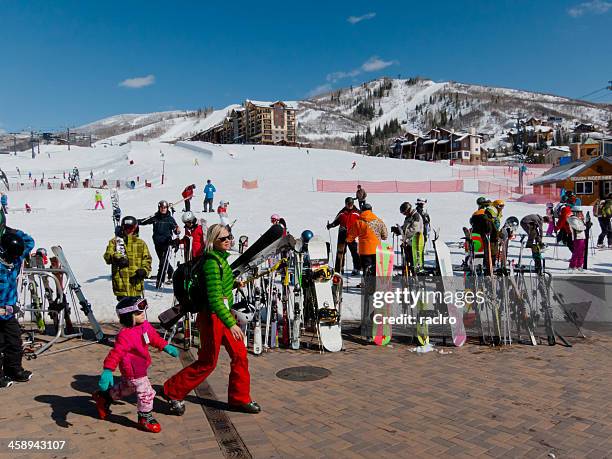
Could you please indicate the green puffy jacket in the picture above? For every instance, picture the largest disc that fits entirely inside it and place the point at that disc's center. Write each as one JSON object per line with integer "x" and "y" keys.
{"x": 138, "y": 257}
{"x": 219, "y": 286}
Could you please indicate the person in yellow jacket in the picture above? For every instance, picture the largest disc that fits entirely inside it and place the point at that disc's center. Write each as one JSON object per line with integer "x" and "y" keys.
{"x": 130, "y": 260}
{"x": 370, "y": 231}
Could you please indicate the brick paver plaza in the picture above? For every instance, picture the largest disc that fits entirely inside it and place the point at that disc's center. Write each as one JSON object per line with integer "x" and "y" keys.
{"x": 473, "y": 401}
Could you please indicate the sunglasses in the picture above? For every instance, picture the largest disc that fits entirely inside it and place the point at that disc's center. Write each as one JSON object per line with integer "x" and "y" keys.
{"x": 226, "y": 238}
{"x": 139, "y": 306}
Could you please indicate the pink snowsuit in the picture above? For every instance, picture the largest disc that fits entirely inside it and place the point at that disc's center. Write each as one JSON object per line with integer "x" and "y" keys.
{"x": 131, "y": 354}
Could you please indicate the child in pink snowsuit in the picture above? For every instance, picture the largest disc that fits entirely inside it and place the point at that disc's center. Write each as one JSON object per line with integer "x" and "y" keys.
{"x": 131, "y": 354}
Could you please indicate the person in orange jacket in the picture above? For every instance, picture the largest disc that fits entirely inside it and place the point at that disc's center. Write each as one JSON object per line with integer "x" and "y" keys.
{"x": 370, "y": 231}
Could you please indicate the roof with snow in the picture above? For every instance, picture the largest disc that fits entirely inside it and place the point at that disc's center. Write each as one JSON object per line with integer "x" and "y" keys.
{"x": 261, "y": 103}
{"x": 559, "y": 173}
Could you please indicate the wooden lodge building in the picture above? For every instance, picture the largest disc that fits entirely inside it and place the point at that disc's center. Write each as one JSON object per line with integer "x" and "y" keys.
{"x": 590, "y": 180}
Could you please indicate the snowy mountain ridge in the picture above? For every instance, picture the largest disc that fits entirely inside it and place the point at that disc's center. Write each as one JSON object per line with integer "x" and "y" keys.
{"x": 418, "y": 104}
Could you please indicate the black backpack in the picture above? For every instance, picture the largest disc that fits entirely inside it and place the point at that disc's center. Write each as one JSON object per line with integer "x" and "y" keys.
{"x": 188, "y": 284}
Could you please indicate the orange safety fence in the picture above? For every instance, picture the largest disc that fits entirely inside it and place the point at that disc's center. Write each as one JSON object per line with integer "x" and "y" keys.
{"x": 390, "y": 186}
{"x": 249, "y": 184}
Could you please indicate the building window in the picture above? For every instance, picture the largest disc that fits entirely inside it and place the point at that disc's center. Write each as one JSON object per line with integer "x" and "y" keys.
{"x": 584, "y": 187}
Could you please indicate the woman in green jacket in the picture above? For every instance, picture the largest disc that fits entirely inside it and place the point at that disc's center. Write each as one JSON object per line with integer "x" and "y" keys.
{"x": 217, "y": 326}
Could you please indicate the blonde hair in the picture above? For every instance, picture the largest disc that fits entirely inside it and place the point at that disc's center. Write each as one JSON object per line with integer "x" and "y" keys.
{"x": 213, "y": 233}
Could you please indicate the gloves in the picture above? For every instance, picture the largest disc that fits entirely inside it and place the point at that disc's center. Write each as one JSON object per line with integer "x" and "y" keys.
{"x": 139, "y": 275}
{"x": 106, "y": 380}
{"x": 396, "y": 230}
{"x": 328, "y": 226}
{"x": 171, "y": 350}
{"x": 120, "y": 261}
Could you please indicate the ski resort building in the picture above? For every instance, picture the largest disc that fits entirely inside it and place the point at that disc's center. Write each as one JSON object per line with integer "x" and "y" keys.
{"x": 270, "y": 123}
{"x": 590, "y": 180}
{"x": 440, "y": 143}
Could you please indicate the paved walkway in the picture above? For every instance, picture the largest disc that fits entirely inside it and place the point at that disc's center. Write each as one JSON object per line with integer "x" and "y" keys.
{"x": 389, "y": 402}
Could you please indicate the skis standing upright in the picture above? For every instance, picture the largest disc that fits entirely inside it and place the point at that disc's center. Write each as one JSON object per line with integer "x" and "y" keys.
{"x": 114, "y": 194}
{"x": 76, "y": 287}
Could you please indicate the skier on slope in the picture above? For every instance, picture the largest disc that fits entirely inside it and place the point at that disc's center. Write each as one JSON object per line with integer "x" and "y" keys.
{"x": 347, "y": 216}
{"x": 209, "y": 194}
{"x": 164, "y": 228}
{"x": 222, "y": 212}
{"x": 187, "y": 194}
{"x": 98, "y": 199}
{"x": 131, "y": 355}
{"x": 195, "y": 231}
{"x": 217, "y": 326}
{"x": 413, "y": 224}
{"x": 15, "y": 245}
{"x": 370, "y": 231}
{"x": 130, "y": 260}
{"x": 361, "y": 196}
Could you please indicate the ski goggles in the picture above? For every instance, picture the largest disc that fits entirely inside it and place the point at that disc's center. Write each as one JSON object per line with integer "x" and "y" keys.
{"x": 6, "y": 310}
{"x": 139, "y": 305}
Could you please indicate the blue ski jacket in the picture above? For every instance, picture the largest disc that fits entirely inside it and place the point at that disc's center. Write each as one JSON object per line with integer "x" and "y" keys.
{"x": 9, "y": 273}
{"x": 209, "y": 191}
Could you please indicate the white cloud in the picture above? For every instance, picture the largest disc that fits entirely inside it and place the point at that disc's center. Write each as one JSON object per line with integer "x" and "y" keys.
{"x": 594, "y": 7}
{"x": 138, "y": 82}
{"x": 321, "y": 89}
{"x": 373, "y": 64}
{"x": 356, "y": 19}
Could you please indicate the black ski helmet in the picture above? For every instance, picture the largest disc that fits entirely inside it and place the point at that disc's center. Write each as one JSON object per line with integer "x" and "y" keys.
{"x": 349, "y": 200}
{"x": 482, "y": 201}
{"x": 129, "y": 222}
{"x": 307, "y": 235}
{"x": 162, "y": 203}
{"x": 366, "y": 206}
{"x": 405, "y": 207}
{"x": 11, "y": 246}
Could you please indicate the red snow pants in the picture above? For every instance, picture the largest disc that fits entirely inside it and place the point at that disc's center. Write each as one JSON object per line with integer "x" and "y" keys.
{"x": 213, "y": 333}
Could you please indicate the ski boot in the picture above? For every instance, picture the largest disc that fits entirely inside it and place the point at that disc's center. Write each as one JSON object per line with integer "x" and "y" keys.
{"x": 250, "y": 408}
{"x": 147, "y": 422}
{"x": 177, "y": 407}
{"x": 22, "y": 376}
{"x": 5, "y": 381}
{"x": 103, "y": 402}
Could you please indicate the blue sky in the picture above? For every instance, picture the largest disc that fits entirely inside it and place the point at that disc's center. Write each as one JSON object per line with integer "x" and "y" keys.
{"x": 65, "y": 63}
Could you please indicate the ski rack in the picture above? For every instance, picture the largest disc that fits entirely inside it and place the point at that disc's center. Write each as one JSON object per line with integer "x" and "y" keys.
{"x": 61, "y": 333}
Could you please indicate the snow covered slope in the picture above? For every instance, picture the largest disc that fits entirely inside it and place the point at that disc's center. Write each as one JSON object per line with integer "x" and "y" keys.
{"x": 285, "y": 176}
{"x": 419, "y": 104}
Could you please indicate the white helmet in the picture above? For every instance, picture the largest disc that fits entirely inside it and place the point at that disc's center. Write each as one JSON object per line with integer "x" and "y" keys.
{"x": 244, "y": 314}
{"x": 188, "y": 217}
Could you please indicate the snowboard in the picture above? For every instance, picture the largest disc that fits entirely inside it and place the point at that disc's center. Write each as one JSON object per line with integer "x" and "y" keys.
{"x": 418, "y": 249}
{"x": 381, "y": 333}
{"x": 328, "y": 318}
{"x": 262, "y": 248}
{"x": 76, "y": 287}
{"x": 443, "y": 256}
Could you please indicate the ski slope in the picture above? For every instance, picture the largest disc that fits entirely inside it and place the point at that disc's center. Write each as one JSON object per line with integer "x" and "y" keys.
{"x": 286, "y": 177}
